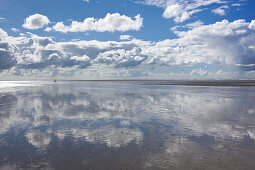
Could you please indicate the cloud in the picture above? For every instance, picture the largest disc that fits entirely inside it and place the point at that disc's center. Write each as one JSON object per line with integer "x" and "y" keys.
{"x": 125, "y": 37}
{"x": 35, "y": 52}
{"x": 180, "y": 10}
{"x": 48, "y": 29}
{"x": 158, "y": 3}
{"x": 172, "y": 11}
{"x": 220, "y": 10}
{"x": 80, "y": 58}
{"x": 3, "y": 34}
{"x": 195, "y": 24}
{"x": 192, "y": 4}
{"x": 176, "y": 12}
{"x": 199, "y": 72}
{"x": 252, "y": 25}
{"x": 122, "y": 57}
{"x": 36, "y": 21}
{"x": 2, "y": 19}
{"x": 15, "y": 29}
{"x": 111, "y": 23}
{"x": 192, "y": 25}
{"x": 221, "y": 43}
{"x": 86, "y": 1}
{"x": 236, "y": 4}
{"x": 7, "y": 58}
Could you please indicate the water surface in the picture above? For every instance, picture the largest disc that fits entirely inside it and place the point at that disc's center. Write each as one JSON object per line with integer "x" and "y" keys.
{"x": 125, "y": 125}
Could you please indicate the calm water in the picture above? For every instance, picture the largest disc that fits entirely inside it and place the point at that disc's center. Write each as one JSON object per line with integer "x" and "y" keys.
{"x": 125, "y": 125}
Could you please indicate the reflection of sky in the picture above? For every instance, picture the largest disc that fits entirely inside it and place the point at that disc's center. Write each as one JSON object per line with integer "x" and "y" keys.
{"x": 178, "y": 119}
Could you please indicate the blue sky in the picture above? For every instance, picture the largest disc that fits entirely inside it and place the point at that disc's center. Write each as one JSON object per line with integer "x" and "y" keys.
{"x": 113, "y": 39}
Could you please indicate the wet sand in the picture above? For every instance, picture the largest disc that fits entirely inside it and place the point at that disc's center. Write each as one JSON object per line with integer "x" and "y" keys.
{"x": 126, "y": 125}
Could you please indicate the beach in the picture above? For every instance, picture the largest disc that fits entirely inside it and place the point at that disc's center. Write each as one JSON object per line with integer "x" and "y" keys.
{"x": 126, "y": 125}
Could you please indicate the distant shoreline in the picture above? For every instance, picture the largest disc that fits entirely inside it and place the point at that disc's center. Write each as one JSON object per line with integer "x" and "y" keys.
{"x": 169, "y": 82}
{"x": 208, "y": 83}
{"x": 186, "y": 82}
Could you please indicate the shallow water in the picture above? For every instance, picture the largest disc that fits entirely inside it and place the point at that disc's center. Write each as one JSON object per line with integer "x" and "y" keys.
{"x": 125, "y": 125}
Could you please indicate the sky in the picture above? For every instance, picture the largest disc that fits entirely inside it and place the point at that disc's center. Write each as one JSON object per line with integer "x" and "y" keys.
{"x": 127, "y": 39}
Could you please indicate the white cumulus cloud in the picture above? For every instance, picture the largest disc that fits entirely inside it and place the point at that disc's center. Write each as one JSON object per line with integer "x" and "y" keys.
{"x": 221, "y": 43}
{"x": 177, "y": 12}
{"x": 111, "y": 23}
{"x": 236, "y": 4}
{"x": 125, "y": 37}
{"x": 180, "y": 10}
{"x": 36, "y": 21}
{"x": 15, "y": 29}
{"x": 3, "y": 33}
{"x": 220, "y": 10}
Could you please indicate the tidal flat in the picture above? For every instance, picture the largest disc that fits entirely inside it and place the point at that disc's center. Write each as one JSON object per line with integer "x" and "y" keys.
{"x": 126, "y": 125}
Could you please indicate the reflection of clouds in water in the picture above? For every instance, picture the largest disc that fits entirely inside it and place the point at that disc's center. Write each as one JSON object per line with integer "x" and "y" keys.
{"x": 10, "y": 112}
{"x": 191, "y": 112}
{"x": 171, "y": 151}
{"x": 125, "y": 123}
{"x": 32, "y": 166}
{"x": 8, "y": 167}
{"x": 227, "y": 131}
{"x": 174, "y": 146}
{"x": 251, "y": 134}
{"x": 251, "y": 111}
{"x": 38, "y": 139}
{"x": 111, "y": 136}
